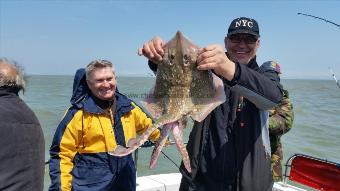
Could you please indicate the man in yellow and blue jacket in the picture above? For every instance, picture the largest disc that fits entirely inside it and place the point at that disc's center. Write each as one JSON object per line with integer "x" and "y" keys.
{"x": 99, "y": 119}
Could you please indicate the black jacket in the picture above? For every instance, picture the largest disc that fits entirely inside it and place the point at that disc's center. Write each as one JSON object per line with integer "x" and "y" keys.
{"x": 22, "y": 145}
{"x": 230, "y": 149}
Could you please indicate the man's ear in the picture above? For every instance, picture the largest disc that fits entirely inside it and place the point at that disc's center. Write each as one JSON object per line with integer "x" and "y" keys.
{"x": 258, "y": 42}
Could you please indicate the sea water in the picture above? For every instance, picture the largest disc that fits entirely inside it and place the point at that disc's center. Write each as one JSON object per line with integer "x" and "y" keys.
{"x": 316, "y": 128}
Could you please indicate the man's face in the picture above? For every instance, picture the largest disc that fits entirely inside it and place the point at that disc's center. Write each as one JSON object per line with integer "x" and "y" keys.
{"x": 242, "y": 47}
{"x": 102, "y": 83}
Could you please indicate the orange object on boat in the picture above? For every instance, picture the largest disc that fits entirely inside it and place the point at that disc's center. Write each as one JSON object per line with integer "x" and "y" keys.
{"x": 314, "y": 172}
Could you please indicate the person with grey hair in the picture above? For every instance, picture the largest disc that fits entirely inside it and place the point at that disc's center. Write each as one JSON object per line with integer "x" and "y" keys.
{"x": 22, "y": 142}
{"x": 99, "y": 119}
{"x": 11, "y": 75}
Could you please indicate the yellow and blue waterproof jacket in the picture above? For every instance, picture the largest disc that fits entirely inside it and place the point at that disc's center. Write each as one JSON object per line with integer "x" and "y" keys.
{"x": 78, "y": 154}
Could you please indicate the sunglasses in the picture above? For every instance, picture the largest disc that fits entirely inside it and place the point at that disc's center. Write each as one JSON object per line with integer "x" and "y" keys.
{"x": 248, "y": 39}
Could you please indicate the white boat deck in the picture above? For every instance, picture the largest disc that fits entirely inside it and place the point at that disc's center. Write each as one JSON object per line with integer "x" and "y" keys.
{"x": 280, "y": 186}
{"x": 159, "y": 182}
{"x": 171, "y": 181}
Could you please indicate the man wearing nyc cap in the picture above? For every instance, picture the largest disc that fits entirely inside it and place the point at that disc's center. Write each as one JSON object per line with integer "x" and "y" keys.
{"x": 230, "y": 149}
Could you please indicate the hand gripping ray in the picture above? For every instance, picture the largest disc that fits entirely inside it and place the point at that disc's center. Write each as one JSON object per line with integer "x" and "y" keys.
{"x": 181, "y": 91}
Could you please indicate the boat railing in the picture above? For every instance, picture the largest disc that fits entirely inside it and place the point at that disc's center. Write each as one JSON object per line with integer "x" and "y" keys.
{"x": 313, "y": 172}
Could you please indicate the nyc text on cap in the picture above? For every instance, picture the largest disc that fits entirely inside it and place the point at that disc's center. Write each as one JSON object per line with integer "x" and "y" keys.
{"x": 244, "y": 25}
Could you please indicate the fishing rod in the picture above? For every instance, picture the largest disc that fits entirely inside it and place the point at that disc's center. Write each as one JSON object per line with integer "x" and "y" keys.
{"x": 320, "y": 18}
{"x": 333, "y": 23}
{"x": 172, "y": 161}
{"x": 151, "y": 144}
{"x": 145, "y": 145}
{"x": 336, "y": 80}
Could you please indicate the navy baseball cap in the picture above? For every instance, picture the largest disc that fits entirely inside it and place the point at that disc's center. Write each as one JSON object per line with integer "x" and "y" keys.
{"x": 271, "y": 66}
{"x": 244, "y": 25}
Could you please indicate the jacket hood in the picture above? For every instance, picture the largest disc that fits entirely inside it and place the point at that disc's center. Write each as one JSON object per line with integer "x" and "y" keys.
{"x": 80, "y": 88}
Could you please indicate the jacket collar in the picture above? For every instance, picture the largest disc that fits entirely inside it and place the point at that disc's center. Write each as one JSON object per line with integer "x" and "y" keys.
{"x": 123, "y": 104}
{"x": 253, "y": 64}
{"x": 8, "y": 92}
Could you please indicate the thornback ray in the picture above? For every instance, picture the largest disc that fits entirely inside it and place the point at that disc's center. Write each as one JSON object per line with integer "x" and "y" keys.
{"x": 180, "y": 91}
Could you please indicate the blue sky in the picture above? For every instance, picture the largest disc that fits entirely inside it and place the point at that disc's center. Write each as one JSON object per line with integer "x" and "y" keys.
{"x": 57, "y": 37}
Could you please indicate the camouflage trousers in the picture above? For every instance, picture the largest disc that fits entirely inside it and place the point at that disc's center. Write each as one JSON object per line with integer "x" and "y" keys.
{"x": 276, "y": 163}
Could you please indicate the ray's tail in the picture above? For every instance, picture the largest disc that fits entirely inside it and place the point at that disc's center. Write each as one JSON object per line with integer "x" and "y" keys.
{"x": 135, "y": 143}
